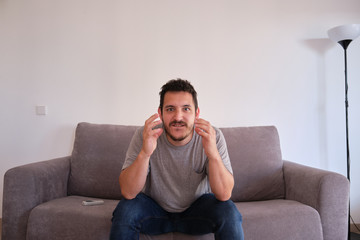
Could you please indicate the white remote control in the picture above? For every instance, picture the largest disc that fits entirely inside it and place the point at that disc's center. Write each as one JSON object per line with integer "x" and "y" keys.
{"x": 92, "y": 202}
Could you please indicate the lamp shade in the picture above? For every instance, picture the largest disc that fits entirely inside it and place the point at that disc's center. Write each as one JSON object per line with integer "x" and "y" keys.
{"x": 344, "y": 32}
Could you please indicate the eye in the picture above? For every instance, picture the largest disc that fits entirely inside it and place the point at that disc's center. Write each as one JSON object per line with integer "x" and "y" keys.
{"x": 187, "y": 109}
{"x": 170, "y": 109}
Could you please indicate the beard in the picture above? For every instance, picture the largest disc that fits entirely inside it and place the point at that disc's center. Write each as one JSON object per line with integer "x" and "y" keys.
{"x": 188, "y": 132}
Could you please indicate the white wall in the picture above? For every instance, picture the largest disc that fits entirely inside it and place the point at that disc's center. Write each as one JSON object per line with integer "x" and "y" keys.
{"x": 262, "y": 62}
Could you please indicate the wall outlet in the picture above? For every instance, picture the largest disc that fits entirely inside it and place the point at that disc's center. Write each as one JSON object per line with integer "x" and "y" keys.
{"x": 41, "y": 110}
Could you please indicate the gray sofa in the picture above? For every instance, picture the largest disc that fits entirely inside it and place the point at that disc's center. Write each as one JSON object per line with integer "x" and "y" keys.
{"x": 278, "y": 199}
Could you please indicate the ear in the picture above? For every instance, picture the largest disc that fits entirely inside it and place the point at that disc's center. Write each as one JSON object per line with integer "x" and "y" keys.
{"x": 159, "y": 112}
{"x": 197, "y": 114}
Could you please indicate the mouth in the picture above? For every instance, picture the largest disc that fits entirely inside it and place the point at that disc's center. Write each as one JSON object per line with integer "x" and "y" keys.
{"x": 178, "y": 124}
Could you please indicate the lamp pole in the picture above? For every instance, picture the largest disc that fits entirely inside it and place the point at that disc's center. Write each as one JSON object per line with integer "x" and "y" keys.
{"x": 345, "y": 44}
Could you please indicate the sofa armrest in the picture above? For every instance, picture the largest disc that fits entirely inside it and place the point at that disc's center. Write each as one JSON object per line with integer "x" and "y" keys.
{"x": 327, "y": 192}
{"x": 28, "y": 186}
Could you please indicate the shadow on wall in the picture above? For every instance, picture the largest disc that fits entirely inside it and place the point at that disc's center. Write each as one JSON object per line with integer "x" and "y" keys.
{"x": 62, "y": 134}
{"x": 320, "y": 46}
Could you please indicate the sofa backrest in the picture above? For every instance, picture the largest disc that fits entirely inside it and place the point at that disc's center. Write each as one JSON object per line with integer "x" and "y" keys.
{"x": 97, "y": 158}
{"x": 99, "y": 152}
{"x": 256, "y": 161}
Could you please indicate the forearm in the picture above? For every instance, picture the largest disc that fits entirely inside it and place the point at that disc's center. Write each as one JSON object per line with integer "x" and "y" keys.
{"x": 220, "y": 179}
{"x": 133, "y": 178}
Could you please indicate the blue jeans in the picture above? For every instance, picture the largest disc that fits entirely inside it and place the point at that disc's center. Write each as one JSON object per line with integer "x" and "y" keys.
{"x": 206, "y": 215}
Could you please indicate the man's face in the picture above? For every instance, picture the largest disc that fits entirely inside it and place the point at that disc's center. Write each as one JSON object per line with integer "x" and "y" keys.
{"x": 178, "y": 116}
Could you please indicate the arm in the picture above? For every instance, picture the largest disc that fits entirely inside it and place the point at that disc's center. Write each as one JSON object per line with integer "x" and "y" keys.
{"x": 220, "y": 179}
{"x": 326, "y": 191}
{"x": 27, "y": 186}
{"x": 133, "y": 178}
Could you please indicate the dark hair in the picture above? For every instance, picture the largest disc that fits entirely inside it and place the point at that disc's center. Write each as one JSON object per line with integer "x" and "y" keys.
{"x": 178, "y": 85}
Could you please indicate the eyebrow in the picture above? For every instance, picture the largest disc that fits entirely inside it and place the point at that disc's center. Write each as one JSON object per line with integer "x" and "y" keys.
{"x": 169, "y": 106}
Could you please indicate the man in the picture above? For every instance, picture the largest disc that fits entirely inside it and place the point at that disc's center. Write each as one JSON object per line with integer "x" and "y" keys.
{"x": 177, "y": 175}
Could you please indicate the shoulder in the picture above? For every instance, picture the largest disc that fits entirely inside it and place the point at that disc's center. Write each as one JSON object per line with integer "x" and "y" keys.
{"x": 219, "y": 134}
{"x": 137, "y": 137}
{"x": 140, "y": 130}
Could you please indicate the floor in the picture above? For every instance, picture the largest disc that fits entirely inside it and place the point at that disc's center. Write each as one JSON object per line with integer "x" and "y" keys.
{"x": 355, "y": 232}
{"x": 354, "y": 236}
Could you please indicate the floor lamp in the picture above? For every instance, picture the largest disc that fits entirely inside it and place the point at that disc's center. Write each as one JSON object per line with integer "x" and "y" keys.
{"x": 344, "y": 35}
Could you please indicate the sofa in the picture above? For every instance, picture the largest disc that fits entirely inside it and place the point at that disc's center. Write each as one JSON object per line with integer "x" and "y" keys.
{"x": 278, "y": 199}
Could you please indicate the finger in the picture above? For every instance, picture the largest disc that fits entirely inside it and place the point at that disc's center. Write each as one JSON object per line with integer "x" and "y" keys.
{"x": 202, "y": 122}
{"x": 151, "y": 129}
{"x": 155, "y": 125}
{"x": 157, "y": 132}
{"x": 200, "y": 131}
{"x": 204, "y": 125}
{"x": 152, "y": 122}
{"x": 152, "y": 118}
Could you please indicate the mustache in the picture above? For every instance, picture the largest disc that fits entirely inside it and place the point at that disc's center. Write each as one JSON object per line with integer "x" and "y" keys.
{"x": 177, "y": 122}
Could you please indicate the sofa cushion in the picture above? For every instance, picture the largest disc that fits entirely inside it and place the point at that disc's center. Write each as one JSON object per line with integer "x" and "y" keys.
{"x": 97, "y": 158}
{"x": 256, "y": 161}
{"x": 67, "y": 218}
{"x": 280, "y": 219}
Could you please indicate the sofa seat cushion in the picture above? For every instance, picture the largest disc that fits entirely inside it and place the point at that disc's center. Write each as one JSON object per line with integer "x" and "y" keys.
{"x": 280, "y": 219}
{"x": 67, "y": 219}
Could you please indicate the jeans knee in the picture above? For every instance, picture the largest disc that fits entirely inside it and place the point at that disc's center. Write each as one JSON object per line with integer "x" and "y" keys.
{"x": 128, "y": 211}
{"x": 228, "y": 212}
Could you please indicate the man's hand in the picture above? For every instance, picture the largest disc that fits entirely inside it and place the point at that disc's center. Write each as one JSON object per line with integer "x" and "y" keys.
{"x": 208, "y": 134}
{"x": 150, "y": 135}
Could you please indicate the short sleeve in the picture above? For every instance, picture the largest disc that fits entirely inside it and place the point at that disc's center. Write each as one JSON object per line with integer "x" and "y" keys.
{"x": 134, "y": 148}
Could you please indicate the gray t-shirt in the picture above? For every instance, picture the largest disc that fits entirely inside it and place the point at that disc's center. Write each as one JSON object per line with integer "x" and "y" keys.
{"x": 177, "y": 175}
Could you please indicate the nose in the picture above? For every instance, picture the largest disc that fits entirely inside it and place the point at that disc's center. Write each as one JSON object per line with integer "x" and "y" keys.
{"x": 178, "y": 115}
